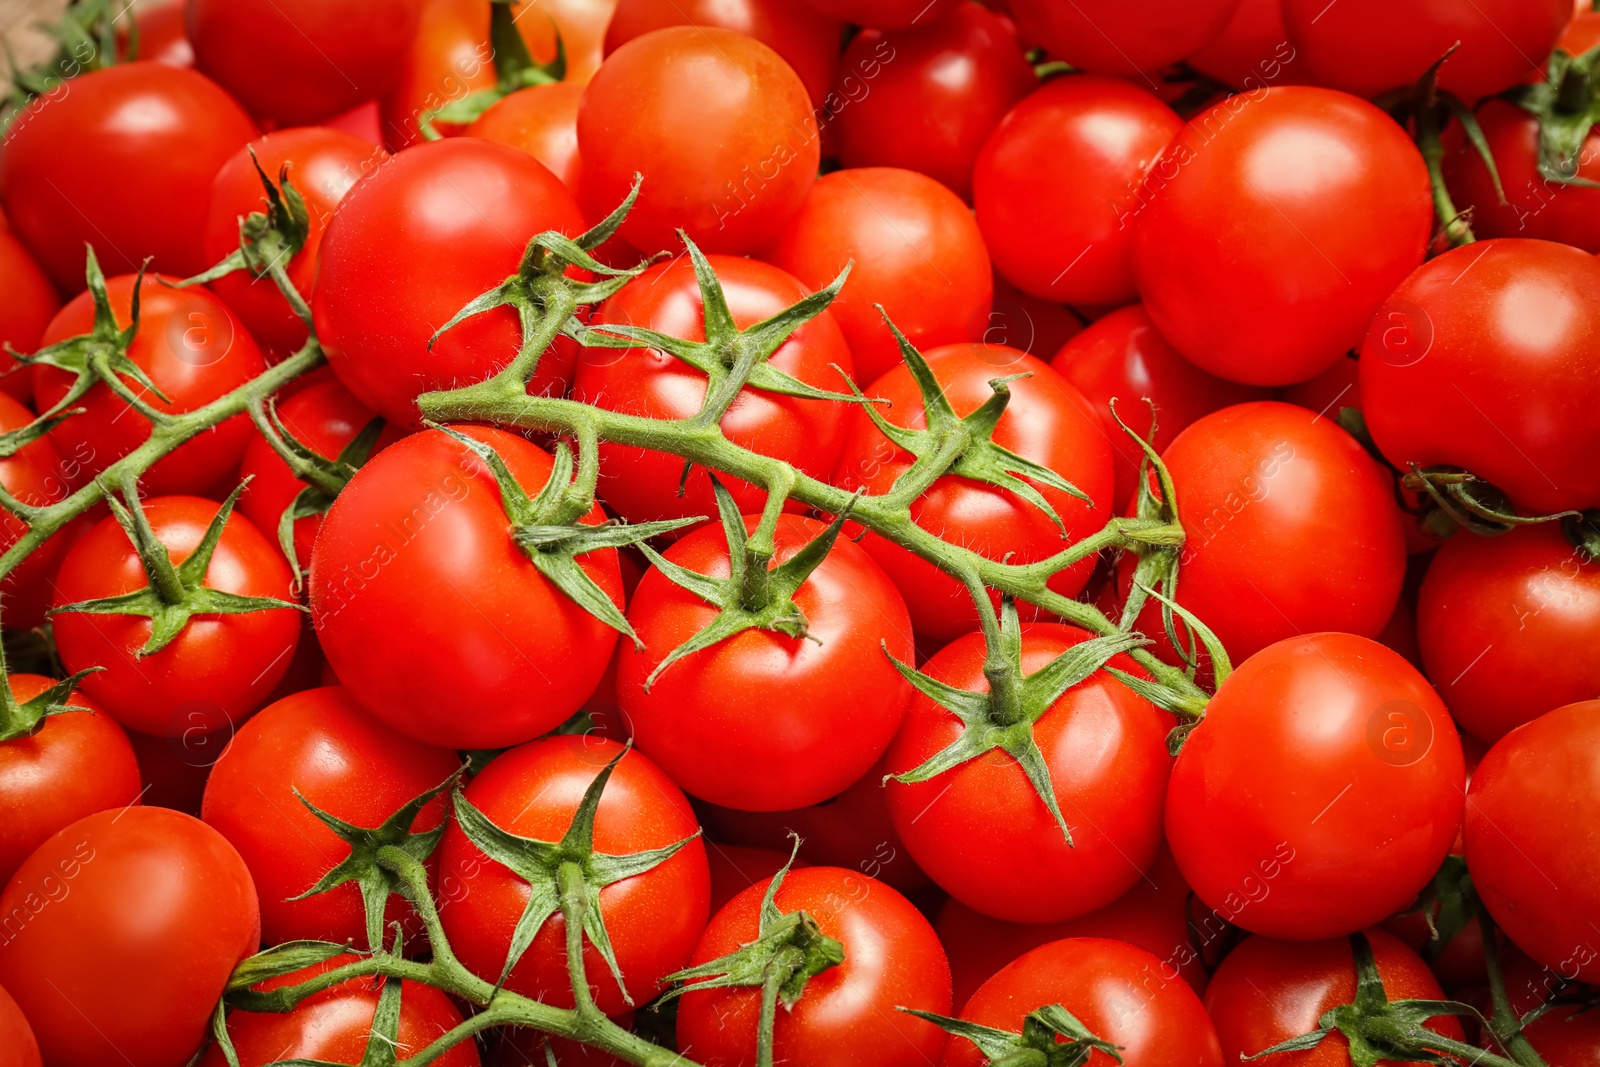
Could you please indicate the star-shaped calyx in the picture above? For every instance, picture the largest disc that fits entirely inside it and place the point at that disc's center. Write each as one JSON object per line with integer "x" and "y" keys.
{"x": 22, "y": 718}
{"x": 514, "y": 69}
{"x": 1051, "y": 1037}
{"x": 267, "y": 240}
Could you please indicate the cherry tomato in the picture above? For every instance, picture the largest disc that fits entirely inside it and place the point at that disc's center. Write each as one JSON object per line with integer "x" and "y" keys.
{"x": 123, "y": 158}
{"x": 35, "y": 476}
{"x": 1326, "y": 208}
{"x": 1253, "y": 51}
{"x": 581, "y": 25}
{"x": 1321, "y": 791}
{"x": 1037, "y": 327}
{"x": 449, "y": 59}
{"x": 1566, "y": 1036}
{"x": 31, "y": 302}
{"x": 884, "y": 14}
{"x": 161, "y": 35}
{"x": 735, "y": 868}
{"x": 121, "y": 931}
{"x": 542, "y": 121}
{"x": 18, "y": 1048}
{"x": 1108, "y": 37}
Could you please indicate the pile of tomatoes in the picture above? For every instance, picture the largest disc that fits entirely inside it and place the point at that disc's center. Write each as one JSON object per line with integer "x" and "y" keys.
{"x": 543, "y": 532}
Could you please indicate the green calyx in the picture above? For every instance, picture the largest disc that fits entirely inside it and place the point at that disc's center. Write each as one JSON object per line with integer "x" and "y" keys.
{"x": 1567, "y": 105}
{"x": 86, "y": 40}
{"x": 514, "y": 69}
{"x": 1457, "y": 499}
{"x": 23, "y": 718}
{"x": 1051, "y": 1037}
{"x": 1446, "y": 905}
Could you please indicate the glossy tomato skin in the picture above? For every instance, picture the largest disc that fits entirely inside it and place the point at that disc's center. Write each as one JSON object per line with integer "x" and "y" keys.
{"x": 847, "y": 1015}
{"x": 162, "y": 38}
{"x": 1531, "y": 834}
{"x": 18, "y": 1048}
{"x": 913, "y": 247}
{"x": 1321, "y": 791}
{"x": 720, "y": 127}
{"x": 764, "y": 721}
{"x": 449, "y": 58}
{"x": 431, "y": 615}
{"x": 412, "y": 244}
{"x": 75, "y": 764}
{"x": 1252, "y": 51}
{"x": 1057, "y": 187}
{"x": 1121, "y": 993}
{"x": 99, "y": 989}
{"x": 162, "y": 131}
{"x": 1326, "y": 206}
{"x": 31, "y": 302}
{"x": 643, "y": 485}
{"x": 884, "y": 14}
{"x": 581, "y": 24}
{"x": 541, "y": 120}
{"x": 1483, "y": 347}
{"x": 1047, "y": 421}
{"x": 652, "y": 919}
{"x": 323, "y": 164}
{"x": 1107, "y": 37}
{"x": 1037, "y": 327}
{"x": 220, "y": 668}
{"x": 35, "y": 476}
{"x": 735, "y": 868}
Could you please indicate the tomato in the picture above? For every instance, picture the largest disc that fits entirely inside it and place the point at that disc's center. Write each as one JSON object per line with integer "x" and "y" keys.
{"x": 323, "y": 165}
{"x": 1057, "y": 186}
{"x": 1047, "y": 421}
{"x": 913, "y": 247}
{"x": 847, "y": 1014}
{"x": 720, "y": 127}
{"x": 120, "y": 933}
{"x": 195, "y": 350}
{"x": 432, "y": 616}
{"x": 652, "y": 918}
{"x": 34, "y": 475}
{"x": 449, "y": 59}
{"x": 412, "y": 244}
{"x": 642, "y": 485}
{"x": 884, "y": 14}
{"x": 542, "y": 121}
{"x": 1109, "y": 37}
{"x": 1531, "y": 837}
{"x": 1123, "y": 357}
{"x": 1122, "y": 994}
{"x": 735, "y": 868}
{"x": 1326, "y": 208}
{"x": 1253, "y": 51}
{"x": 1501, "y": 42}
{"x": 1321, "y": 791}
{"x": 581, "y": 25}
{"x": 73, "y": 765}
{"x": 17, "y": 1045}
{"x": 1475, "y": 361}
{"x": 1268, "y": 991}
{"x": 31, "y": 303}
{"x": 1029, "y": 324}
{"x": 1567, "y": 1036}
{"x": 521, "y": 1047}
{"x": 161, "y": 131}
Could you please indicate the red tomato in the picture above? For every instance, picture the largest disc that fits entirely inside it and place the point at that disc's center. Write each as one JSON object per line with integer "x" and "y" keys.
{"x": 1048, "y": 421}
{"x": 1477, "y": 361}
{"x": 323, "y": 165}
{"x": 913, "y": 247}
{"x": 120, "y": 933}
{"x": 521, "y": 1047}
{"x": 1029, "y": 324}
{"x": 1326, "y": 206}
{"x": 174, "y": 769}
{"x": 415, "y": 242}
{"x": 581, "y": 25}
{"x": 34, "y": 475}
{"x": 1253, "y": 51}
{"x": 31, "y": 302}
{"x": 1566, "y": 1036}
{"x": 1531, "y": 837}
{"x": 433, "y": 618}
{"x": 1057, "y": 187}
{"x": 642, "y": 485}
{"x": 1121, "y": 993}
{"x": 720, "y": 127}
{"x": 652, "y": 918}
{"x": 735, "y": 868}
{"x": 18, "y": 1048}
{"x": 195, "y": 350}
{"x": 73, "y": 765}
{"x": 162, "y": 37}
{"x": 1109, "y": 37}
{"x": 161, "y": 131}
{"x": 542, "y": 121}
{"x": 1321, "y": 791}
{"x": 296, "y": 62}
{"x": 847, "y": 1015}
{"x": 449, "y": 59}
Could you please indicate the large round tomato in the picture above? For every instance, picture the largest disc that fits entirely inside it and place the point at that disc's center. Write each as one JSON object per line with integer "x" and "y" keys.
{"x": 912, "y": 247}
{"x": 121, "y": 158}
{"x": 18, "y": 1047}
{"x": 652, "y": 919}
{"x": 847, "y": 1014}
{"x": 765, "y": 721}
{"x": 413, "y": 243}
{"x": 1532, "y": 837}
{"x": 1321, "y": 791}
{"x": 121, "y": 931}
{"x": 1047, "y": 421}
{"x": 31, "y": 302}
{"x": 1112, "y": 37}
{"x": 1325, "y": 206}
{"x": 1477, "y": 361}
{"x": 1056, "y": 188}
{"x": 449, "y": 59}
{"x": 542, "y": 121}
{"x": 720, "y": 127}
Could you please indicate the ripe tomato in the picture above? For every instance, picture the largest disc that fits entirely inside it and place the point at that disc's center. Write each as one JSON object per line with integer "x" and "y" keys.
{"x": 913, "y": 247}
{"x": 541, "y": 120}
{"x": 31, "y": 302}
{"x": 34, "y": 475}
{"x": 412, "y": 244}
{"x": 18, "y": 1048}
{"x": 120, "y": 933}
{"x": 884, "y": 14}
{"x": 1037, "y": 327}
{"x": 1122, "y": 994}
{"x": 720, "y": 127}
{"x": 735, "y": 868}
{"x": 1321, "y": 791}
{"x": 1108, "y": 37}
{"x": 1476, "y": 361}
{"x": 581, "y": 25}
{"x": 73, "y": 765}
{"x": 1566, "y": 1036}
{"x": 1048, "y": 421}
{"x": 653, "y": 918}
{"x": 161, "y": 131}
{"x": 642, "y": 485}
{"x": 323, "y": 165}
{"x": 847, "y": 1015}
{"x": 1057, "y": 187}
{"x": 1531, "y": 834}
{"x": 1326, "y": 206}
{"x": 433, "y": 617}
{"x": 162, "y": 38}
{"x": 1252, "y": 51}
{"x": 449, "y": 59}
{"x": 764, "y": 721}
{"x": 521, "y": 1047}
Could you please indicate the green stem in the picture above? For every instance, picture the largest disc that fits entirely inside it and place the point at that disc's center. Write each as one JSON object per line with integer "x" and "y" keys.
{"x": 1503, "y": 1020}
